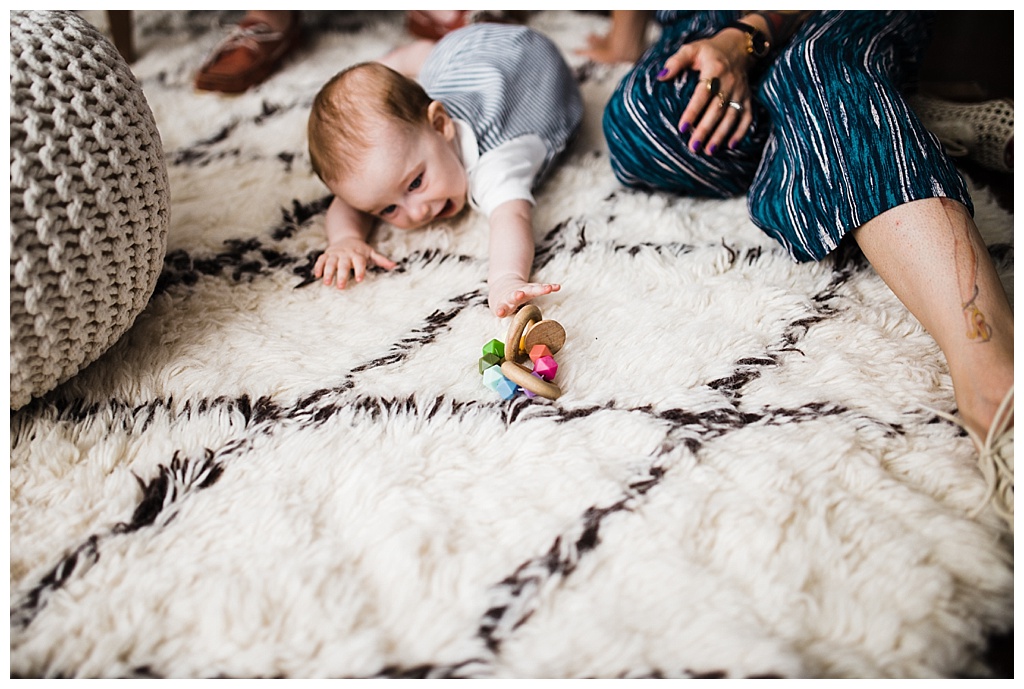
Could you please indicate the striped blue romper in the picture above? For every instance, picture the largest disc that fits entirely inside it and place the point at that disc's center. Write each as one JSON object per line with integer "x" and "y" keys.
{"x": 833, "y": 143}
{"x": 505, "y": 81}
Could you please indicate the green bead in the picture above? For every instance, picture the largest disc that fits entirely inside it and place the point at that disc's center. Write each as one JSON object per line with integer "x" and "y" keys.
{"x": 495, "y": 347}
{"x": 488, "y": 360}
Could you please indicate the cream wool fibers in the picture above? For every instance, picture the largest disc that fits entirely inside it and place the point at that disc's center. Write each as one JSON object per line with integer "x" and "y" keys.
{"x": 268, "y": 478}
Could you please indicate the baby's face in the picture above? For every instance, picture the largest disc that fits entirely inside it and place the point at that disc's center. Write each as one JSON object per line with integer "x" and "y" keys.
{"x": 408, "y": 178}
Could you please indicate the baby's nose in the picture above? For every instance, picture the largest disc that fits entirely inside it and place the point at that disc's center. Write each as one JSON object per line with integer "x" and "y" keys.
{"x": 421, "y": 212}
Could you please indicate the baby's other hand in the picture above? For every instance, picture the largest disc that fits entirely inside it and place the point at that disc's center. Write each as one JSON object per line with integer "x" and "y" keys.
{"x": 506, "y": 297}
{"x": 347, "y": 256}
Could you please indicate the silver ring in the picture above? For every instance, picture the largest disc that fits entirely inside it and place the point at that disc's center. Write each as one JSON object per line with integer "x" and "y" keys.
{"x": 736, "y": 105}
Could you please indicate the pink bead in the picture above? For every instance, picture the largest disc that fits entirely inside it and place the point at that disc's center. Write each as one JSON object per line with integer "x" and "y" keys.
{"x": 546, "y": 366}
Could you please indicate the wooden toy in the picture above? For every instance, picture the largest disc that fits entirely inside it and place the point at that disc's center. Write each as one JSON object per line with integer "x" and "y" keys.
{"x": 530, "y": 393}
{"x": 529, "y": 337}
{"x": 525, "y": 317}
{"x": 548, "y": 333}
{"x": 525, "y": 379}
{"x": 529, "y": 329}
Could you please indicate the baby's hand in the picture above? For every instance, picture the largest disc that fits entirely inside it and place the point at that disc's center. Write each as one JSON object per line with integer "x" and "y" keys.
{"x": 348, "y": 255}
{"x": 508, "y": 295}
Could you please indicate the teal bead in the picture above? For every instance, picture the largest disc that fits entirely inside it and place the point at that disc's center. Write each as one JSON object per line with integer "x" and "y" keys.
{"x": 492, "y": 376}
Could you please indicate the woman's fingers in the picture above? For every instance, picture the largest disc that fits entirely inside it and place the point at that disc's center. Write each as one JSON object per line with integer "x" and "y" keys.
{"x": 714, "y": 121}
{"x": 730, "y": 121}
{"x": 717, "y": 114}
{"x": 743, "y": 125}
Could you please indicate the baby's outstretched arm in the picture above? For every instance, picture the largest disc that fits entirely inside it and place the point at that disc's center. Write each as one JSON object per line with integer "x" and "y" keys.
{"x": 511, "y": 259}
{"x": 347, "y": 250}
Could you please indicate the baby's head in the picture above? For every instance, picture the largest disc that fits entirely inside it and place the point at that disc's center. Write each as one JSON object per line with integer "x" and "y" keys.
{"x": 379, "y": 143}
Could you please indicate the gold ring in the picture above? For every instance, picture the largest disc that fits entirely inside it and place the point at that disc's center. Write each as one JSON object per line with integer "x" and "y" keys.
{"x": 736, "y": 105}
{"x": 713, "y": 84}
{"x": 722, "y": 100}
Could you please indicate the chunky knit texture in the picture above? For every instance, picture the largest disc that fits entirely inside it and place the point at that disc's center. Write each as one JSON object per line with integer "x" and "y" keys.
{"x": 90, "y": 200}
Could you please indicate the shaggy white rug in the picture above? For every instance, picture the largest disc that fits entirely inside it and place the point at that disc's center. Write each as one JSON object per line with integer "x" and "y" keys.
{"x": 269, "y": 478}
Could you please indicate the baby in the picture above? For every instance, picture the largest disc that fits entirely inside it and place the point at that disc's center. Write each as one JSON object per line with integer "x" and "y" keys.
{"x": 497, "y": 106}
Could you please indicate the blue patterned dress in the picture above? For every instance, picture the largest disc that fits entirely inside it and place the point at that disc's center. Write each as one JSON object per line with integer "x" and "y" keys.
{"x": 833, "y": 143}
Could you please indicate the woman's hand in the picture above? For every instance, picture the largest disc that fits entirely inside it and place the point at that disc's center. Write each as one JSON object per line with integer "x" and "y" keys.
{"x": 719, "y": 110}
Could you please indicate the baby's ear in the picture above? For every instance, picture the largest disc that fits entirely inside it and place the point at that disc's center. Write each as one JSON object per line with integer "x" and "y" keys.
{"x": 440, "y": 120}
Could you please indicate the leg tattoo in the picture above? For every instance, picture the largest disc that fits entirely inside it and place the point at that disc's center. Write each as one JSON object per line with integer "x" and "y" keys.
{"x": 977, "y": 328}
{"x": 967, "y": 273}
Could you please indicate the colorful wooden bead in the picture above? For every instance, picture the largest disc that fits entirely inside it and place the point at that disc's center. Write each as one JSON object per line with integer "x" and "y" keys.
{"x": 546, "y": 367}
{"x": 492, "y": 377}
{"x": 537, "y": 351}
{"x": 495, "y": 347}
{"x": 488, "y": 360}
{"x": 506, "y": 388}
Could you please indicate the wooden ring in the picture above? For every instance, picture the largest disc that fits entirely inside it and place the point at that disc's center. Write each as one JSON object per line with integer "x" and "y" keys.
{"x": 546, "y": 332}
{"x": 525, "y": 379}
{"x": 517, "y": 328}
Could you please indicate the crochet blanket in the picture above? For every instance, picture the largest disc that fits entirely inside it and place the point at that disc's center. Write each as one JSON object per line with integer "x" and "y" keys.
{"x": 744, "y": 476}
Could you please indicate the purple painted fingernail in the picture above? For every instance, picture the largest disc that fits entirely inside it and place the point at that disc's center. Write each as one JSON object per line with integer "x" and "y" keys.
{"x": 663, "y": 73}
{"x": 695, "y": 146}
{"x": 684, "y": 127}
{"x": 712, "y": 148}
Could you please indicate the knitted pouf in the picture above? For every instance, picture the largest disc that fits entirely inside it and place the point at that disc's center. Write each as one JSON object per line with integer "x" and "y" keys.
{"x": 90, "y": 201}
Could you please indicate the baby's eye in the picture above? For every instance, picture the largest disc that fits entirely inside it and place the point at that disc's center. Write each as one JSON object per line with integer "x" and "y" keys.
{"x": 389, "y": 210}
{"x": 415, "y": 184}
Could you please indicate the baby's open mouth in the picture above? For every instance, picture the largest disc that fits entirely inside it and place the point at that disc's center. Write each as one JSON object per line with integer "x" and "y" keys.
{"x": 448, "y": 209}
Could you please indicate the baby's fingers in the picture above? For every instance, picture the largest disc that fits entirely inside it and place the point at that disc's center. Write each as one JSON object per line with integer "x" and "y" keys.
{"x": 382, "y": 260}
{"x": 358, "y": 267}
{"x": 336, "y": 272}
{"x": 536, "y": 289}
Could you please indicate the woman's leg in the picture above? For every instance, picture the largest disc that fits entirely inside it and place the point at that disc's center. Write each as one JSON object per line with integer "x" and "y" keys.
{"x": 848, "y": 155}
{"x": 929, "y": 252}
{"x": 845, "y": 146}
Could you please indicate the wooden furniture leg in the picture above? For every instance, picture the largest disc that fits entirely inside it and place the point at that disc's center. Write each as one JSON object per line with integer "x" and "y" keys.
{"x": 121, "y": 31}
